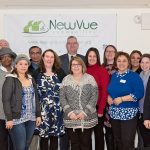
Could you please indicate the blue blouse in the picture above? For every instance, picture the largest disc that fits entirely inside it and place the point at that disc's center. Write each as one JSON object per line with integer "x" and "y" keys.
{"x": 28, "y": 106}
{"x": 128, "y": 83}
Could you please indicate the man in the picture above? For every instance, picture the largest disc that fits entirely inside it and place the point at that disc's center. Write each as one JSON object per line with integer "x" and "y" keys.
{"x": 4, "y": 43}
{"x": 72, "y": 46}
{"x": 35, "y": 53}
{"x": 6, "y": 58}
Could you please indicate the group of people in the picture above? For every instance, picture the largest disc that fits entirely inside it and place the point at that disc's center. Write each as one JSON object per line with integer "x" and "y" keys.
{"x": 68, "y": 97}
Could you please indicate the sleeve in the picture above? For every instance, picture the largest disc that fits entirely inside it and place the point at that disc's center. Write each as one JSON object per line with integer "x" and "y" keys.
{"x": 104, "y": 81}
{"x": 37, "y": 102}
{"x": 39, "y": 86}
{"x": 146, "y": 112}
{"x": 61, "y": 74}
{"x": 7, "y": 96}
{"x": 63, "y": 99}
{"x": 137, "y": 87}
{"x": 91, "y": 105}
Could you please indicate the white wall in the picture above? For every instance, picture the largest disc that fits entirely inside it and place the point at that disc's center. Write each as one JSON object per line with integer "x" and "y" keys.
{"x": 129, "y": 34}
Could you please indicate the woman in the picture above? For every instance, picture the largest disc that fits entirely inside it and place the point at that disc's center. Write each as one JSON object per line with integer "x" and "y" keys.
{"x": 21, "y": 104}
{"x": 125, "y": 90}
{"x": 78, "y": 96}
{"x": 48, "y": 84}
{"x": 108, "y": 58}
{"x": 101, "y": 76}
{"x": 135, "y": 58}
{"x": 145, "y": 75}
{"x": 7, "y": 57}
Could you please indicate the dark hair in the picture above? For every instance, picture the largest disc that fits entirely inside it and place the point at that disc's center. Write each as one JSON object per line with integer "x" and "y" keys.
{"x": 135, "y": 51}
{"x": 35, "y": 47}
{"x": 121, "y": 53}
{"x": 145, "y": 55}
{"x": 104, "y": 56}
{"x": 56, "y": 65}
{"x": 80, "y": 61}
{"x": 95, "y": 50}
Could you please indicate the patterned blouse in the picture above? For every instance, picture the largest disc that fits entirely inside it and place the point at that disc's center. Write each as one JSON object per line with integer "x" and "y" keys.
{"x": 28, "y": 105}
{"x": 51, "y": 111}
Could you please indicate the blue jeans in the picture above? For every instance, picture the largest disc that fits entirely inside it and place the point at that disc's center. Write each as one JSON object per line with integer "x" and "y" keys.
{"x": 21, "y": 135}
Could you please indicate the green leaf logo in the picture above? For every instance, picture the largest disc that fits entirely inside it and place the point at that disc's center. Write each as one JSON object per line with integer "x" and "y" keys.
{"x": 35, "y": 27}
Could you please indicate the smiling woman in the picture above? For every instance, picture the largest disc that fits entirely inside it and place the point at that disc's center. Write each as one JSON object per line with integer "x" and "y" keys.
{"x": 125, "y": 90}
{"x": 21, "y": 104}
{"x": 101, "y": 76}
{"x": 78, "y": 96}
{"x": 48, "y": 80}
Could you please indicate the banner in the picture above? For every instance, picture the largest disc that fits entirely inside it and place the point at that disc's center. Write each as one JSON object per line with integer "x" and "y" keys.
{"x": 51, "y": 31}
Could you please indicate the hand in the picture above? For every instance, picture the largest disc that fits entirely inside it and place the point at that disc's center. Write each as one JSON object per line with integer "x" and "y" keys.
{"x": 117, "y": 100}
{"x": 109, "y": 100}
{"x": 9, "y": 124}
{"x": 100, "y": 115}
{"x": 73, "y": 116}
{"x": 38, "y": 121}
{"x": 147, "y": 124}
{"x": 81, "y": 116}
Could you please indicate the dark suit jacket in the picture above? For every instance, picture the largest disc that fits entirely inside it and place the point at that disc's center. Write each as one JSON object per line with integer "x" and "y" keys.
{"x": 146, "y": 111}
{"x": 65, "y": 62}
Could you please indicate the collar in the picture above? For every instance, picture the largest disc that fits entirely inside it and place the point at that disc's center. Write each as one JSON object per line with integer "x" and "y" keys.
{"x": 5, "y": 70}
{"x": 123, "y": 74}
{"x": 71, "y": 55}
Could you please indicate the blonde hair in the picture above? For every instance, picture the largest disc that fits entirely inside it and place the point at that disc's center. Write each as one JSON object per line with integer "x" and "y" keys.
{"x": 80, "y": 61}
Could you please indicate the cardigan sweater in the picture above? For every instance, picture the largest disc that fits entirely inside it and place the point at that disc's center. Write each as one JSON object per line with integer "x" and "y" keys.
{"x": 12, "y": 97}
{"x": 101, "y": 76}
{"x": 128, "y": 83}
{"x": 79, "y": 97}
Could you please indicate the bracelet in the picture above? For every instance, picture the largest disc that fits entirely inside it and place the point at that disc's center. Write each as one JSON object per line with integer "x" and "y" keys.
{"x": 121, "y": 99}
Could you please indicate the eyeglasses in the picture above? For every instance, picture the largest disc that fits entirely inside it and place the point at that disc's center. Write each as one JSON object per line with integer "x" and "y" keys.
{"x": 76, "y": 65}
{"x": 35, "y": 53}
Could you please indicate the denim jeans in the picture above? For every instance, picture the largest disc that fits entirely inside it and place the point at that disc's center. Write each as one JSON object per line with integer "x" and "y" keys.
{"x": 21, "y": 135}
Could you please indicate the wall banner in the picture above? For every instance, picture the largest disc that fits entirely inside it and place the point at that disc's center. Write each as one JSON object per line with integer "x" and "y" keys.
{"x": 51, "y": 31}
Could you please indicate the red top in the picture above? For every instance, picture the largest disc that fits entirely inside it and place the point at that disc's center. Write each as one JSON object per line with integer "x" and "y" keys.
{"x": 102, "y": 78}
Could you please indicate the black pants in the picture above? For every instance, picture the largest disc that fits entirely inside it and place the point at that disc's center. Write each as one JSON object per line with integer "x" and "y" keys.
{"x": 3, "y": 136}
{"x": 64, "y": 142}
{"x": 109, "y": 138}
{"x": 145, "y": 133}
{"x": 99, "y": 134}
{"x": 80, "y": 140}
{"x": 124, "y": 133}
{"x": 44, "y": 143}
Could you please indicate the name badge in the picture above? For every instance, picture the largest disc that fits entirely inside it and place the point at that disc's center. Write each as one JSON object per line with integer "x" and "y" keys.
{"x": 122, "y": 81}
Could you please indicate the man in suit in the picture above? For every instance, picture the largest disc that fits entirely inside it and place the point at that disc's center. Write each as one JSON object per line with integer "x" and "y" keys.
{"x": 72, "y": 46}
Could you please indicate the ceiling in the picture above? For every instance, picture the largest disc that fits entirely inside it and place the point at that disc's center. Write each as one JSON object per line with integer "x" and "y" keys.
{"x": 27, "y": 4}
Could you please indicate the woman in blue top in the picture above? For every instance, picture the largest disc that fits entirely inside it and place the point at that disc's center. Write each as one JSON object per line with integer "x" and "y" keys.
{"x": 125, "y": 90}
